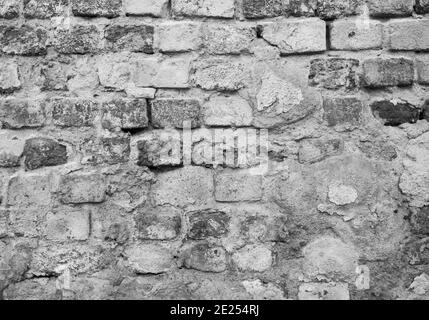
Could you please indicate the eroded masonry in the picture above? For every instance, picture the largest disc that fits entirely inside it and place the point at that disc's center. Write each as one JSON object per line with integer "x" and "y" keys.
{"x": 117, "y": 180}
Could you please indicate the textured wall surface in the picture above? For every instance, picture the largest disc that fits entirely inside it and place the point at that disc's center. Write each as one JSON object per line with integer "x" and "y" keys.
{"x": 105, "y": 193}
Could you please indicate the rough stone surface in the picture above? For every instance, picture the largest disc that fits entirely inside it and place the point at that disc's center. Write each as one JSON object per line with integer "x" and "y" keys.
{"x": 82, "y": 188}
{"x": 393, "y": 113}
{"x": 392, "y": 8}
{"x": 409, "y": 35}
{"x": 171, "y": 113}
{"x": 43, "y": 152}
{"x": 381, "y": 72}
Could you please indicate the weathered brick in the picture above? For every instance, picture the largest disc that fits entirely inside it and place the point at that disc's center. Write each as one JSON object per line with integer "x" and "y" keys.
{"x": 43, "y": 9}
{"x": 256, "y": 258}
{"x": 55, "y": 76}
{"x": 11, "y": 148}
{"x": 97, "y": 8}
{"x": 157, "y": 148}
{"x": 44, "y": 152}
{"x": 67, "y": 224}
{"x": 393, "y": 113}
{"x": 409, "y": 35}
{"x": 109, "y": 149}
{"x": 145, "y": 7}
{"x": 73, "y": 112}
{"x": 23, "y": 40}
{"x": 422, "y": 65}
{"x": 134, "y": 38}
{"x": 422, "y": 6}
{"x": 236, "y": 187}
{"x": 29, "y": 191}
{"x": 179, "y": 36}
{"x": 124, "y": 114}
{"x": 76, "y": 39}
{"x": 221, "y": 75}
{"x": 204, "y": 257}
{"x": 324, "y": 291}
{"x": 163, "y": 223}
{"x": 420, "y": 221}
{"x": 203, "y": 8}
{"x": 9, "y": 78}
{"x": 25, "y": 222}
{"x": 334, "y": 73}
{"x": 208, "y": 223}
{"x": 21, "y": 113}
{"x": 296, "y": 36}
{"x": 184, "y": 186}
{"x": 384, "y": 72}
{"x": 227, "y": 39}
{"x": 391, "y": 8}
{"x": 149, "y": 259}
{"x": 9, "y": 9}
{"x": 82, "y": 188}
{"x": 263, "y": 8}
{"x": 356, "y": 35}
{"x": 346, "y": 111}
{"x": 227, "y": 111}
{"x": 33, "y": 289}
{"x": 333, "y": 9}
{"x": 172, "y": 113}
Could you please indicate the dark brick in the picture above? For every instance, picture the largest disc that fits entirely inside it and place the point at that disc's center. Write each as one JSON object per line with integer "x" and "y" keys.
{"x": 263, "y": 8}
{"x": 135, "y": 38}
{"x": 97, "y": 8}
{"x": 171, "y": 113}
{"x": 44, "y": 9}
{"x": 125, "y": 114}
{"x": 379, "y": 72}
{"x": 79, "y": 39}
{"x": 43, "y": 152}
{"x": 205, "y": 257}
{"x": 425, "y": 111}
{"x": 334, "y": 73}
{"x": 391, "y": 8}
{"x": 342, "y": 111}
{"x": 422, "y": 6}
{"x": 73, "y": 112}
{"x": 24, "y": 40}
{"x": 208, "y": 223}
{"x": 21, "y": 113}
{"x": 9, "y": 9}
{"x": 395, "y": 113}
{"x": 420, "y": 221}
{"x": 158, "y": 224}
{"x": 333, "y": 9}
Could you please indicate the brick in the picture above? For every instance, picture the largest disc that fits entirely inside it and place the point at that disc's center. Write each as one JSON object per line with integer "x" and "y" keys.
{"x": 44, "y": 9}
{"x": 21, "y": 113}
{"x": 227, "y": 39}
{"x": 73, "y": 112}
{"x": 44, "y": 152}
{"x": 204, "y": 257}
{"x": 356, "y": 35}
{"x": 183, "y": 187}
{"x": 224, "y": 111}
{"x": 392, "y": 8}
{"x": 324, "y": 291}
{"x": 149, "y": 259}
{"x": 163, "y": 223}
{"x": 422, "y": 65}
{"x": 254, "y": 258}
{"x": 124, "y": 114}
{"x": 172, "y": 113}
{"x": 153, "y": 8}
{"x": 333, "y": 9}
{"x": 221, "y": 75}
{"x": 179, "y": 36}
{"x": 11, "y": 149}
{"x": 409, "y": 35}
{"x": 420, "y": 221}
{"x": 134, "y": 38}
{"x": 97, "y": 8}
{"x": 263, "y": 8}
{"x": 296, "y": 36}
{"x": 77, "y": 39}
{"x": 157, "y": 148}
{"x": 203, "y": 8}
{"x": 55, "y": 76}
{"x": 26, "y": 191}
{"x": 422, "y": 6}
{"x": 68, "y": 225}
{"x": 110, "y": 150}
{"x": 236, "y": 187}
{"x": 393, "y": 113}
{"x": 9, "y": 78}
{"x": 208, "y": 223}
{"x": 384, "y": 72}
{"x": 23, "y": 40}
{"x": 135, "y": 92}
{"x": 27, "y": 223}
{"x": 334, "y": 73}
{"x": 9, "y": 9}
{"x": 82, "y": 188}
{"x": 346, "y": 111}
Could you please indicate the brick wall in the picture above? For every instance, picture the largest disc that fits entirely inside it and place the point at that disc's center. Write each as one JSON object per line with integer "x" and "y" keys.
{"x": 115, "y": 179}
